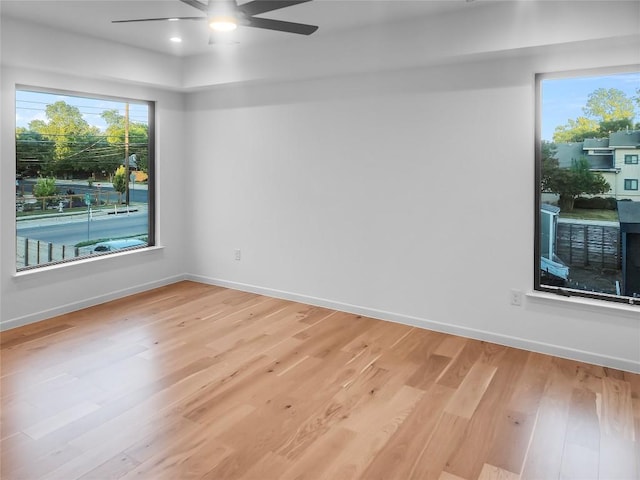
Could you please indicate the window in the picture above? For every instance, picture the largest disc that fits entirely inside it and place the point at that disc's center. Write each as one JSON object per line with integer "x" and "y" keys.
{"x": 84, "y": 176}
{"x": 587, "y": 231}
{"x": 630, "y": 184}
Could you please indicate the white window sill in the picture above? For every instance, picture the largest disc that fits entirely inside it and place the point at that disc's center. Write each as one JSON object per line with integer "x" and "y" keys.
{"x": 574, "y": 302}
{"x": 84, "y": 261}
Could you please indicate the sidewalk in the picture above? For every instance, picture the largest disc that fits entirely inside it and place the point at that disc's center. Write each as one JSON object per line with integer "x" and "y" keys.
{"x": 96, "y": 214}
{"x": 599, "y": 223}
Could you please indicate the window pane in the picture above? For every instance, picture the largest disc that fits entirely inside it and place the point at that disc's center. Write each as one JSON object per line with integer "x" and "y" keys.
{"x": 587, "y": 191}
{"x": 84, "y": 171}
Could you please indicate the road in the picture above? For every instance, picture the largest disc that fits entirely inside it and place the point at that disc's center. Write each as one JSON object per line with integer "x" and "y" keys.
{"x": 73, "y": 229}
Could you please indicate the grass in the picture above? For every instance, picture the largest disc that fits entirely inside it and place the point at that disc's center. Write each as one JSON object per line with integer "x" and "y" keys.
{"x": 591, "y": 214}
{"x": 51, "y": 211}
{"x": 54, "y": 211}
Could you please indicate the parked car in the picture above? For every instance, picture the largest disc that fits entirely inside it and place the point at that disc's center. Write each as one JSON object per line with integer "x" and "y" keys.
{"x": 112, "y": 245}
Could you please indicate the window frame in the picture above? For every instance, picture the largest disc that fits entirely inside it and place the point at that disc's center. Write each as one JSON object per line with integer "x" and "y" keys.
{"x": 538, "y": 286}
{"x": 151, "y": 172}
{"x": 630, "y": 181}
{"x": 630, "y": 159}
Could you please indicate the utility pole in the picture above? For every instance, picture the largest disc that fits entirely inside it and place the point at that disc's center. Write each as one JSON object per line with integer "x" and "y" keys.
{"x": 126, "y": 152}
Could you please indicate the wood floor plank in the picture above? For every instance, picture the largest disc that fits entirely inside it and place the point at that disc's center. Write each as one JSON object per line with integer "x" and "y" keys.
{"x": 194, "y": 381}
{"x": 315, "y": 461}
{"x": 490, "y": 415}
{"x": 544, "y": 456}
{"x": 113, "y": 468}
{"x": 468, "y": 395}
{"x": 616, "y": 412}
{"x": 618, "y": 459}
{"x": 491, "y": 472}
{"x": 458, "y": 369}
{"x": 10, "y": 341}
{"x": 58, "y": 421}
{"x": 449, "y": 476}
{"x": 355, "y": 457}
{"x": 531, "y": 383}
{"x": 39, "y": 465}
{"x": 512, "y": 438}
{"x": 582, "y": 440}
{"x": 446, "y": 438}
{"x": 192, "y": 458}
{"x": 405, "y": 448}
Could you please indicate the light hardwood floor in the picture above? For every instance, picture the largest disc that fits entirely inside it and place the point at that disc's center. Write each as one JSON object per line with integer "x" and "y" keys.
{"x": 193, "y": 381}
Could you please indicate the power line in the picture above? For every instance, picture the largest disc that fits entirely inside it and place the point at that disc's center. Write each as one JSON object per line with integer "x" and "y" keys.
{"x": 138, "y": 118}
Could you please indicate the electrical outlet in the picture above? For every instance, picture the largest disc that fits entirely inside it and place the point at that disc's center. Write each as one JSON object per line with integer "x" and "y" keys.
{"x": 238, "y": 254}
{"x": 516, "y": 298}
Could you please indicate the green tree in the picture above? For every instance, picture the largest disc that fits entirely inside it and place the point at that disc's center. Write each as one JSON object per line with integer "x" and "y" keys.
{"x": 120, "y": 180}
{"x": 608, "y": 126}
{"x": 605, "y": 105}
{"x": 576, "y": 130}
{"x": 71, "y": 135}
{"x": 138, "y": 137}
{"x": 570, "y": 183}
{"x": 606, "y": 111}
{"x": 33, "y": 152}
{"x": 45, "y": 187}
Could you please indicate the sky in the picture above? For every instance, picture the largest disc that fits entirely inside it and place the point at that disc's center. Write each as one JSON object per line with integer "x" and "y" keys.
{"x": 563, "y": 99}
{"x": 31, "y": 106}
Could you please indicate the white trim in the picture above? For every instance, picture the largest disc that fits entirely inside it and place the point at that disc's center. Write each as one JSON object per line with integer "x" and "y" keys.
{"x": 88, "y": 302}
{"x": 507, "y": 340}
{"x": 585, "y": 303}
{"x": 52, "y": 267}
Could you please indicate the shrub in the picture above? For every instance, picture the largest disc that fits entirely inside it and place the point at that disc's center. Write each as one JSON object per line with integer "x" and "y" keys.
{"x": 596, "y": 203}
{"x": 120, "y": 180}
{"x": 45, "y": 187}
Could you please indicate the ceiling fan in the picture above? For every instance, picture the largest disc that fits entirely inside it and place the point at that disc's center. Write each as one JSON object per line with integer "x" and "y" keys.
{"x": 226, "y": 15}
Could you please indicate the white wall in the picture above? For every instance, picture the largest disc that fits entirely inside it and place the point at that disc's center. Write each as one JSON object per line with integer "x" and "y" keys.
{"x": 405, "y": 195}
{"x": 32, "y": 296}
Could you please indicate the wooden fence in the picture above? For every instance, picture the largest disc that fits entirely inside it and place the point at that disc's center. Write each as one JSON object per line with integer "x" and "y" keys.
{"x": 589, "y": 245}
{"x": 29, "y": 202}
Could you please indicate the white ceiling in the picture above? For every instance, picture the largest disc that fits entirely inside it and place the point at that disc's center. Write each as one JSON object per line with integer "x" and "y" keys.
{"x": 93, "y": 18}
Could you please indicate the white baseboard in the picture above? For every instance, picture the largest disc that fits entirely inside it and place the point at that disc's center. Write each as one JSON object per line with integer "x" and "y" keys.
{"x": 86, "y": 302}
{"x": 510, "y": 341}
{"x": 506, "y": 340}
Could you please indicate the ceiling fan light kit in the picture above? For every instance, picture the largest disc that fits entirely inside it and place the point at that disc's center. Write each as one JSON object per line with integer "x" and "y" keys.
{"x": 226, "y": 15}
{"x": 223, "y": 23}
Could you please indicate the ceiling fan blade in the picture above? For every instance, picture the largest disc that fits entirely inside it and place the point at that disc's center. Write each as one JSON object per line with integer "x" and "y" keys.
{"x": 262, "y": 6}
{"x": 158, "y": 19}
{"x": 281, "y": 26}
{"x": 196, "y": 4}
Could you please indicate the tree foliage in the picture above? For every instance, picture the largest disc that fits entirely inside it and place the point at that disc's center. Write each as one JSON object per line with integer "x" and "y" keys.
{"x": 33, "y": 152}
{"x": 45, "y": 187}
{"x": 569, "y": 183}
{"x": 576, "y": 130}
{"x": 606, "y": 111}
{"x": 64, "y": 144}
{"x": 609, "y": 104}
{"x": 65, "y": 127}
{"x": 120, "y": 180}
{"x": 138, "y": 137}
